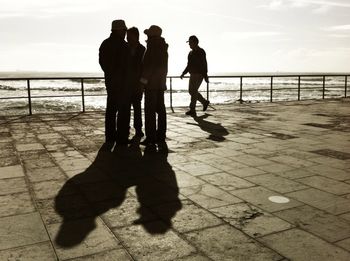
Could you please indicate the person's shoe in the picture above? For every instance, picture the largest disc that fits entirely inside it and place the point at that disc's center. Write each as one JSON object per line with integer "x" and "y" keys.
{"x": 146, "y": 142}
{"x": 139, "y": 134}
{"x": 163, "y": 147}
{"x": 108, "y": 146}
{"x": 151, "y": 148}
{"x": 205, "y": 105}
{"x": 191, "y": 113}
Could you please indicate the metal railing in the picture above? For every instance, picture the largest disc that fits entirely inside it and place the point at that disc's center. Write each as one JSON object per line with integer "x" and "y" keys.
{"x": 171, "y": 91}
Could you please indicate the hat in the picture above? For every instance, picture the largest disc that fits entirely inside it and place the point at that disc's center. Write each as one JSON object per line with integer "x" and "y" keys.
{"x": 154, "y": 30}
{"x": 193, "y": 38}
{"x": 118, "y": 25}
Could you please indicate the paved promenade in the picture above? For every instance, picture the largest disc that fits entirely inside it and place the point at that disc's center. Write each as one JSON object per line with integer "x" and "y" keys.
{"x": 268, "y": 181}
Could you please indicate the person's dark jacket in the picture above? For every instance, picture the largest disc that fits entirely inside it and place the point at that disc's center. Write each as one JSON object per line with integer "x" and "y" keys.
{"x": 155, "y": 64}
{"x": 113, "y": 58}
{"x": 196, "y": 62}
{"x": 135, "y": 66}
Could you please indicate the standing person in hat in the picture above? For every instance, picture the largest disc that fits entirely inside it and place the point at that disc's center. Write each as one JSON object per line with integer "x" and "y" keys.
{"x": 154, "y": 72}
{"x": 113, "y": 58}
{"x": 136, "y": 52}
{"x": 198, "y": 69}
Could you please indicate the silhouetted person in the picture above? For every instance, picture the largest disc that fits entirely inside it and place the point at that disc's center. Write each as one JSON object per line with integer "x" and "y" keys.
{"x": 113, "y": 58}
{"x": 137, "y": 51}
{"x": 198, "y": 69}
{"x": 154, "y": 72}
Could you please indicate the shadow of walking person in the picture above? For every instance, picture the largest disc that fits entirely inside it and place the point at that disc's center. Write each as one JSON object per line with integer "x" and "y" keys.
{"x": 104, "y": 185}
{"x": 160, "y": 194}
{"x": 216, "y": 130}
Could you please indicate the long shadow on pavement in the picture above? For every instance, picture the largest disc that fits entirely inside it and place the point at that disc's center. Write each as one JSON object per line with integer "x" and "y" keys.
{"x": 216, "y": 130}
{"x": 104, "y": 185}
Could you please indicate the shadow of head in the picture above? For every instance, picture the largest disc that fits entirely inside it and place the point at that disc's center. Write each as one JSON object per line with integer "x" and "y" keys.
{"x": 102, "y": 186}
{"x": 73, "y": 232}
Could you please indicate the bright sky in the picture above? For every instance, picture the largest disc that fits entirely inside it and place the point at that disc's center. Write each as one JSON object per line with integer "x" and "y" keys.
{"x": 238, "y": 36}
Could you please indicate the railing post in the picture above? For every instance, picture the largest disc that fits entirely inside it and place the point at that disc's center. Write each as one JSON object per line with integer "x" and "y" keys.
{"x": 346, "y": 85}
{"x": 82, "y": 94}
{"x": 271, "y": 88}
{"x": 171, "y": 94}
{"x": 324, "y": 86}
{"x": 241, "y": 90}
{"x": 298, "y": 88}
{"x": 29, "y": 97}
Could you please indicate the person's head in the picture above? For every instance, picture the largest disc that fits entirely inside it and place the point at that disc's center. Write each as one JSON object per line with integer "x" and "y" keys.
{"x": 133, "y": 35}
{"x": 193, "y": 41}
{"x": 153, "y": 31}
{"x": 119, "y": 27}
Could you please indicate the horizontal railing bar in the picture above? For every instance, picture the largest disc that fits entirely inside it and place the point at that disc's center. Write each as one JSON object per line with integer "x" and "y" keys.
{"x": 174, "y": 91}
{"x": 51, "y": 78}
{"x": 178, "y": 77}
{"x": 15, "y": 97}
{"x": 55, "y": 96}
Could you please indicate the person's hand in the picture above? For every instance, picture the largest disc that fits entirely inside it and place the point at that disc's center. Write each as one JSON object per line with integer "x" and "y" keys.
{"x": 181, "y": 76}
{"x": 206, "y": 79}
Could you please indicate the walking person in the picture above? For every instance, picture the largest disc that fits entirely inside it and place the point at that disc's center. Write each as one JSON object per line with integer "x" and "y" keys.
{"x": 136, "y": 52}
{"x": 198, "y": 69}
{"x": 154, "y": 72}
{"x": 113, "y": 58}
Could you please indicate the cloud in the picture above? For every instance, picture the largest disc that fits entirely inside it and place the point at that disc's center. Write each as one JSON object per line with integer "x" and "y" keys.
{"x": 318, "y": 6}
{"x": 249, "y": 35}
{"x": 345, "y": 27}
{"x": 42, "y": 8}
{"x": 338, "y": 31}
{"x": 339, "y": 35}
{"x": 275, "y": 4}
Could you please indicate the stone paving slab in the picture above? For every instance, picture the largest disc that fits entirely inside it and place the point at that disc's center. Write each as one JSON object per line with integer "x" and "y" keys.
{"x": 300, "y": 245}
{"x": 329, "y": 227}
{"x": 65, "y": 196}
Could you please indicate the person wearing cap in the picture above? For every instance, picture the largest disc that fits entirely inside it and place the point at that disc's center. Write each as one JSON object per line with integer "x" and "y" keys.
{"x": 154, "y": 73}
{"x": 136, "y": 52}
{"x": 198, "y": 69}
{"x": 113, "y": 58}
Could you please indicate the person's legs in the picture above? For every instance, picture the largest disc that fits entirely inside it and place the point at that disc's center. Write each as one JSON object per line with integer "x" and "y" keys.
{"x": 123, "y": 122}
{"x": 150, "y": 115}
{"x": 161, "y": 111}
{"x": 137, "y": 113}
{"x": 110, "y": 119}
{"x": 194, "y": 84}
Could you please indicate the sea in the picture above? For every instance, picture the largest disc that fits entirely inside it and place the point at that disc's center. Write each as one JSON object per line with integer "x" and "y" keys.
{"x": 50, "y": 95}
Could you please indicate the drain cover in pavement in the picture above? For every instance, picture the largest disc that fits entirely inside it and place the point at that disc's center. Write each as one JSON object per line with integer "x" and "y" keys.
{"x": 278, "y": 199}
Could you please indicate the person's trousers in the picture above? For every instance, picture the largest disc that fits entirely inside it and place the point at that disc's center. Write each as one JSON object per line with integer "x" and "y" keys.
{"x": 154, "y": 106}
{"x": 136, "y": 104}
{"x": 117, "y": 120}
{"x": 195, "y": 82}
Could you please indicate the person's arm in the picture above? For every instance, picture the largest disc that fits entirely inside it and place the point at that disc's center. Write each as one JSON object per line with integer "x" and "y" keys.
{"x": 102, "y": 57}
{"x": 186, "y": 69}
{"x": 147, "y": 65}
{"x": 204, "y": 66}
